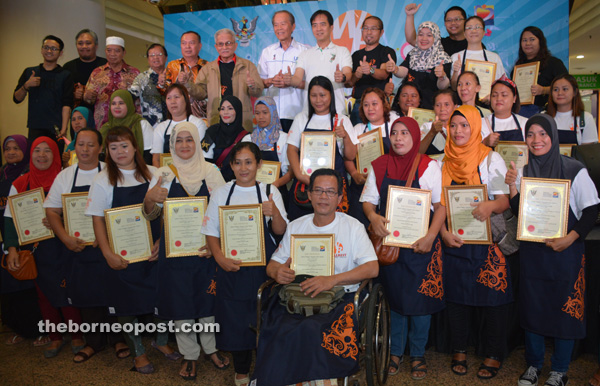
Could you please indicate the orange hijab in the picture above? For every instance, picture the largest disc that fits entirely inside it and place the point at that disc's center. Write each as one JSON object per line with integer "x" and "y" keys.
{"x": 461, "y": 163}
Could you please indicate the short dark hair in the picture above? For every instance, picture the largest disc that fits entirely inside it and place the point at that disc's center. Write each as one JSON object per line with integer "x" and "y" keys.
{"x": 154, "y": 45}
{"x": 478, "y": 18}
{"x": 290, "y": 15}
{"x": 61, "y": 45}
{"x": 193, "y": 33}
{"x": 97, "y": 132}
{"x": 327, "y": 172}
{"x": 89, "y": 32}
{"x": 324, "y": 13}
{"x": 374, "y": 18}
{"x": 456, "y": 8}
{"x": 186, "y": 96}
{"x": 474, "y": 75}
{"x": 448, "y": 91}
{"x": 254, "y": 149}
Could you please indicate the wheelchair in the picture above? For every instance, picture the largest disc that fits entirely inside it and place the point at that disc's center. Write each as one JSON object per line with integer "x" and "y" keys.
{"x": 373, "y": 314}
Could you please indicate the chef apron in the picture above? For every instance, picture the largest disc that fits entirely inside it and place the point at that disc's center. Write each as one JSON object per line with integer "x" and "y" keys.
{"x": 509, "y": 135}
{"x": 569, "y": 136}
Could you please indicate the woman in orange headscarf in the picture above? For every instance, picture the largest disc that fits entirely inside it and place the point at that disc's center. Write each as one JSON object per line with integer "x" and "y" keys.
{"x": 475, "y": 275}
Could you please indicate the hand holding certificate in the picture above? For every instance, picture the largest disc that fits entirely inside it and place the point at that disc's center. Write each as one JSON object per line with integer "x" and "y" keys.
{"x": 486, "y": 72}
{"x": 242, "y": 230}
{"x": 129, "y": 233}
{"x": 370, "y": 147}
{"x": 313, "y": 254}
{"x": 183, "y": 219}
{"x": 459, "y": 200}
{"x": 408, "y": 212}
{"x": 77, "y": 224}
{"x": 525, "y": 76}
{"x": 28, "y": 212}
{"x": 317, "y": 151}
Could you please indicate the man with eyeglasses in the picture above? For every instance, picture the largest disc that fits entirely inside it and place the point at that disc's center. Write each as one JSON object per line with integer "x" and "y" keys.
{"x": 104, "y": 80}
{"x": 276, "y": 65}
{"x": 145, "y": 85}
{"x": 368, "y": 64}
{"x": 285, "y": 337}
{"x": 186, "y": 69}
{"x": 86, "y": 42}
{"x": 229, "y": 74}
{"x": 50, "y": 89}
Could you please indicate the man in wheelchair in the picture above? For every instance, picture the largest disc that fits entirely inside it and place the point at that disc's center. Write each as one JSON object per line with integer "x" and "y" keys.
{"x": 293, "y": 347}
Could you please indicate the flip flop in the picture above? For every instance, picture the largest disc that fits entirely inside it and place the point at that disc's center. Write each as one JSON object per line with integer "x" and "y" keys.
{"x": 174, "y": 356}
{"x": 15, "y": 339}
{"x": 41, "y": 340}
{"x": 220, "y": 358}
{"x": 189, "y": 367}
{"x": 84, "y": 355}
{"x": 121, "y": 351}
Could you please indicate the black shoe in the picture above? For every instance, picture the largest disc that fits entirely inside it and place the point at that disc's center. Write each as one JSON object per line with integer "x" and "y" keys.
{"x": 530, "y": 377}
{"x": 557, "y": 379}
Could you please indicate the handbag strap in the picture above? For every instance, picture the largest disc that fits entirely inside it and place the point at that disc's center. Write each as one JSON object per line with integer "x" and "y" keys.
{"x": 413, "y": 170}
{"x": 3, "y": 262}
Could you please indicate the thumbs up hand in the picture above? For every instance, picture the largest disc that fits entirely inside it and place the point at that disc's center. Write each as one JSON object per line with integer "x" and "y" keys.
{"x": 457, "y": 65}
{"x": 287, "y": 77}
{"x": 33, "y": 81}
{"x": 364, "y": 68}
{"x": 269, "y": 208}
{"x": 184, "y": 76}
{"x": 511, "y": 175}
{"x": 389, "y": 87}
{"x": 390, "y": 65}
{"x": 338, "y": 75}
{"x": 157, "y": 194}
{"x": 439, "y": 71}
{"x": 249, "y": 80}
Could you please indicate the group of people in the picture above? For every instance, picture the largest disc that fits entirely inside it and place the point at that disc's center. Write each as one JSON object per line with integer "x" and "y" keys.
{"x": 219, "y": 120}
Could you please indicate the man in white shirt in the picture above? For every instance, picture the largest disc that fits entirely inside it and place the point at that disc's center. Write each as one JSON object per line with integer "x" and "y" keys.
{"x": 277, "y": 63}
{"x": 326, "y": 59}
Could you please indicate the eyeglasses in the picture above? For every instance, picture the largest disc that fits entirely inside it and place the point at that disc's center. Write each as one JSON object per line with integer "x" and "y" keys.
{"x": 226, "y": 44}
{"x": 455, "y": 20}
{"x": 473, "y": 27}
{"x": 330, "y": 193}
{"x": 370, "y": 28}
{"x": 50, "y": 48}
{"x": 155, "y": 55}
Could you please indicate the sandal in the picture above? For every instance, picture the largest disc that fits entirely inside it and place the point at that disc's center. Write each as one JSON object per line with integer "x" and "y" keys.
{"x": 14, "y": 339}
{"x": 418, "y": 365}
{"x": 458, "y": 362}
{"x": 190, "y": 369}
{"x": 395, "y": 366}
{"x": 83, "y": 355}
{"x": 493, "y": 370}
{"x": 224, "y": 366}
{"x": 41, "y": 340}
{"x": 241, "y": 382}
{"x": 595, "y": 378}
{"x": 172, "y": 356}
{"x": 120, "y": 353}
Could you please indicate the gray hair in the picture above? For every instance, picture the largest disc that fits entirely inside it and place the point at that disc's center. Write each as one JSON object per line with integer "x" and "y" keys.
{"x": 290, "y": 15}
{"x": 89, "y": 32}
{"x": 225, "y": 31}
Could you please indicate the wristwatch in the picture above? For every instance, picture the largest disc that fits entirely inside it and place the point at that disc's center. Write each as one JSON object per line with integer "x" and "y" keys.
{"x": 372, "y": 71}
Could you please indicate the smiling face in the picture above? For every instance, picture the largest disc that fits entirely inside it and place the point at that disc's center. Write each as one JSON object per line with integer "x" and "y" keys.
{"x": 226, "y": 45}
{"x": 244, "y": 167}
{"x": 502, "y": 100}
{"x": 460, "y": 130}
{"x": 538, "y": 141}
{"x": 320, "y": 99}
{"x": 283, "y": 27}
{"x": 12, "y": 152}
{"x": 42, "y": 156}
{"x": 443, "y": 107}
{"x": 322, "y": 188}
{"x": 262, "y": 115}
{"x": 157, "y": 59}
{"x": 455, "y": 23}
{"x": 467, "y": 89}
{"x": 227, "y": 112}
{"x": 371, "y": 32}
{"x": 176, "y": 104}
{"x": 563, "y": 94}
{"x": 530, "y": 45}
{"x": 409, "y": 97}
{"x": 50, "y": 51}
{"x": 425, "y": 39}
{"x": 373, "y": 108}
{"x": 321, "y": 29}
{"x": 190, "y": 46}
{"x": 86, "y": 47}
{"x": 474, "y": 31}
{"x": 87, "y": 148}
{"x": 122, "y": 153}
{"x": 401, "y": 139}
{"x": 78, "y": 121}
{"x": 185, "y": 147}
{"x": 118, "y": 108}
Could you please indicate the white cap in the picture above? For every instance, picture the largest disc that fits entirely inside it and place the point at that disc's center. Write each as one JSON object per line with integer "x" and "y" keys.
{"x": 115, "y": 40}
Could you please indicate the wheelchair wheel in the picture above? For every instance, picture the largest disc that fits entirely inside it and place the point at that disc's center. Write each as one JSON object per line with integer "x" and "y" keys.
{"x": 377, "y": 338}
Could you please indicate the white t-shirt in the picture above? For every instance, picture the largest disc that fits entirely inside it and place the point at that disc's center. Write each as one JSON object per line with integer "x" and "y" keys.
{"x": 439, "y": 141}
{"x": 316, "y": 61}
{"x": 564, "y": 121}
{"x": 361, "y": 128}
{"x": 281, "y": 150}
{"x": 352, "y": 245}
{"x": 505, "y": 124}
{"x": 64, "y": 181}
{"x": 478, "y": 55}
{"x": 494, "y": 177}
{"x": 320, "y": 122}
{"x": 241, "y": 196}
{"x": 147, "y": 133}
{"x": 169, "y": 124}
{"x": 101, "y": 191}
{"x": 430, "y": 180}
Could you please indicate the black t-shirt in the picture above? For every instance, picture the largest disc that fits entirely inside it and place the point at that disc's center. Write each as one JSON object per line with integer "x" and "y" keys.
{"x": 553, "y": 68}
{"x": 453, "y": 46}
{"x": 376, "y": 57}
{"x": 426, "y": 81}
{"x": 82, "y": 70}
{"x": 226, "y": 70}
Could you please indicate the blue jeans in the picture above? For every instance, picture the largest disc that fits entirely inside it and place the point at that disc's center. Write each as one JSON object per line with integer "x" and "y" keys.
{"x": 417, "y": 334}
{"x": 134, "y": 341}
{"x": 535, "y": 347}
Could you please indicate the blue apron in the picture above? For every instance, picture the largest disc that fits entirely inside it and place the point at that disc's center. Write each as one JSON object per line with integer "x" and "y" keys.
{"x": 568, "y": 136}
{"x": 235, "y": 307}
{"x": 186, "y": 285}
{"x": 355, "y": 208}
{"x": 477, "y": 275}
{"x": 413, "y": 284}
{"x": 509, "y": 135}
{"x": 86, "y": 283}
{"x": 132, "y": 291}
{"x": 552, "y": 288}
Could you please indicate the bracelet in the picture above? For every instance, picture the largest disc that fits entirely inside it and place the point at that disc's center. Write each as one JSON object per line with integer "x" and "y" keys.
{"x": 25, "y": 88}
{"x": 152, "y": 215}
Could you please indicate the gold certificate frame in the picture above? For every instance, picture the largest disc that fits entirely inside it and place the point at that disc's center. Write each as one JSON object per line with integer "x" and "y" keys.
{"x": 129, "y": 233}
{"x": 543, "y": 209}
{"x": 486, "y": 71}
{"x": 566, "y": 149}
{"x": 77, "y": 224}
{"x": 183, "y": 221}
{"x": 459, "y": 213}
{"x": 421, "y": 115}
{"x": 407, "y": 211}
{"x": 27, "y": 211}
{"x": 242, "y": 234}
{"x": 313, "y": 254}
{"x": 165, "y": 159}
{"x": 525, "y": 76}
{"x": 73, "y": 159}
{"x": 514, "y": 151}
{"x": 370, "y": 147}
{"x": 268, "y": 172}
{"x": 317, "y": 151}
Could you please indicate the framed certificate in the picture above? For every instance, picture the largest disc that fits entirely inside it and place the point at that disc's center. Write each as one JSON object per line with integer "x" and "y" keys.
{"x": 408, "y": 212}
{"x": 543, "y": 209}
{"x": 421, "y": 115}
{"x": 460, "y": 213}
{"x": 313, "y": 254}
{"x": 566, "y": 149}
{"x": 73, "y": 158}
{"x": 28, "y": 211}
{"x": 129, "y": 233}
{"x": 317, "y": 151}
{"x": 183, "y": 220}
{"x": 268, "y": 172}
{"x": 370, "y": 147}
{"x": 77, "y": 224}
{"x": 525, "y": 76}
{"x": 242, "y": 233}
{"x": 514, "y": 151}
{"x": 486, "y": 71}
{"x": 166, "y": 159}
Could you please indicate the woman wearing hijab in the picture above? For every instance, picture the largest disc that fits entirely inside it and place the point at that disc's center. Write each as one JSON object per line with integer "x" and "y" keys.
{"x": 44, "y": 166}
{"x": 81, "y": 117}
{"x": 427, "y": 65}
{"x": 122, "y": 113}
{"x": 189, "y": 176}
{"x": 552, "y": 295}
{"x": 220, "y": 138}
{"x": 475, "y": 276}
{"x": 414, "y": 282}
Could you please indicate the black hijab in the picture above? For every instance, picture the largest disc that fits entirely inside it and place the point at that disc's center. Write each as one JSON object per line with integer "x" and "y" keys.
{"x": 224, "y": 134}
{"x": 552, "y": 164}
